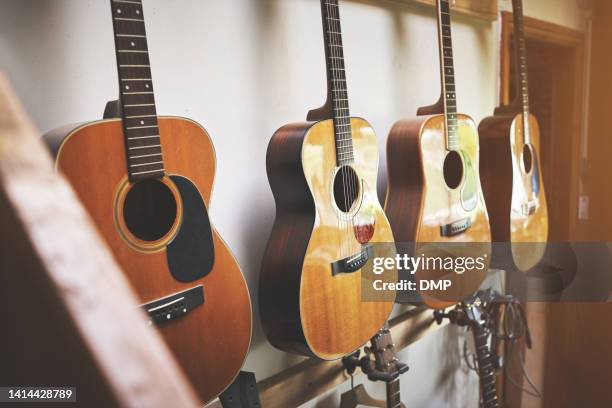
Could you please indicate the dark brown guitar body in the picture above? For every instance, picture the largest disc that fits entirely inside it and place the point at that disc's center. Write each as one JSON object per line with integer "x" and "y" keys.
{"x": 210, "y": 340}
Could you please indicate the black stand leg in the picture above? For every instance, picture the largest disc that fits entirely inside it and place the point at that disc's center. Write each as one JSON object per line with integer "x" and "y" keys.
{"x": 242, "y": 393}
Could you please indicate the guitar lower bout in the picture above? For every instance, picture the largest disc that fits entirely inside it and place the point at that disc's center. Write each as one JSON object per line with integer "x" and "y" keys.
{"x": 434, "y": 201}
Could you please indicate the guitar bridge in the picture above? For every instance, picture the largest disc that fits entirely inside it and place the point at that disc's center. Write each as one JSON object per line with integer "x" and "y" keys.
{"x": 528, "y": 208}
{"x": 174, "y": 306}
{"x": 455, "y": 228}
{"x": 352, "y": 263}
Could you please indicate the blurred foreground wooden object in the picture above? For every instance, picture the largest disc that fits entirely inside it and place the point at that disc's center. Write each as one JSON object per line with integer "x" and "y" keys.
{"x": 69, "y": 317}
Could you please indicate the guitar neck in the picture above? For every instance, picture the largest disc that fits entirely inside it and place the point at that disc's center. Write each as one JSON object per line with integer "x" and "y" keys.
{"x": 140, "y": 127}
{"x": 447, "y": 71}
{"x": 522, "y": 74}
{"x": 336, "y": 81}
{"x": 393, "y": 394}
{"x": 485, "y": 368}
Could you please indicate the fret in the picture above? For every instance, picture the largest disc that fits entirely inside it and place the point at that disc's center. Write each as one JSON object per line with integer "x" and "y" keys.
{"x": 131, "y": 35}
{"x": 143, "y": 147}
{"x": 129, "y": 19}
{"x": 145, "y": 155}
{"x": 143, "y": 137}
{"x": 139, "y": 116}
{"x": 147, "y": 172}
{"x": 140, "y": 127}
{"x": 146, "y": 164}
{"x": 127, "y": 1}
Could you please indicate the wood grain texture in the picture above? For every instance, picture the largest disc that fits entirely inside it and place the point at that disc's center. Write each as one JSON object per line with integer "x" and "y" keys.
{"x": 419, "y": 202}
{"x": 304, "y": 307}
{"x": 211, "y": 342}
{"x": 507, "y": 187}
{"x": 83, "y": 327}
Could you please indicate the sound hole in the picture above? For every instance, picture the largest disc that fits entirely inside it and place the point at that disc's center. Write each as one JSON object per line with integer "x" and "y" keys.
{"x": 346, "y": 188}
{"x": 527, "y": 158}
{"x": 149, "y": 210}
{"x": 453, "y": 169}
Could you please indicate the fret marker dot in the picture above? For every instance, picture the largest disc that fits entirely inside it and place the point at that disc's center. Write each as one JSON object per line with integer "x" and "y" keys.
{"x": 133, "y": 44}
{"x": 142, "y": 122}
{"x": 137, "y": 11}
{"x": 147, "y": 86}
{"x": 127, "y": 87}
{"x": 118, "y": 11}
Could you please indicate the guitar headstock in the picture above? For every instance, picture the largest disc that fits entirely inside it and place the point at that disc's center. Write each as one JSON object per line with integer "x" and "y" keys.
{"x": 475, "y": 309}
{"x": 383, "y": 350}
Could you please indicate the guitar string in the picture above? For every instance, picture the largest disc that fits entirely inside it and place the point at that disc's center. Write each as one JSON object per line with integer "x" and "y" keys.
{"x": 351, "y": 180}
{"x": 325, "y": 37}
{"x": 335, "y": 107}
{"x": 342, "y": 105}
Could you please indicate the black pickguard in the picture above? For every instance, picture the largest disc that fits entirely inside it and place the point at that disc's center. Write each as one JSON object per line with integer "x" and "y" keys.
{"x": 191, "y": 254}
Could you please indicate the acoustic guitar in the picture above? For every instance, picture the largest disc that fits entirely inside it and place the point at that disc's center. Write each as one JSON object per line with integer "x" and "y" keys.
{"x": 328, "y": 219}
{"x": 146, "y": 181}
{"x": 510, "y": 166}
{"x": 434, "y": 198}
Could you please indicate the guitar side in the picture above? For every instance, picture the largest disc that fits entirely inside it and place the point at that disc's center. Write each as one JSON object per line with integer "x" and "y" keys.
{"x": 92, "y": 156}
{"x": 305, "y": 308}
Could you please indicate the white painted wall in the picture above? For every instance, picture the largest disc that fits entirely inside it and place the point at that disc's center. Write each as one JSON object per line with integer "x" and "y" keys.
{"x": 243, "y": 68}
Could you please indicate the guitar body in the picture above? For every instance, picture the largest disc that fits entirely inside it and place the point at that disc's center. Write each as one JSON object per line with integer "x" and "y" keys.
{"x": 305, "y": 307}
{"x": 211, "y": 339}
{"x": 419, "y": 203}
{"x": 515, "y": 197}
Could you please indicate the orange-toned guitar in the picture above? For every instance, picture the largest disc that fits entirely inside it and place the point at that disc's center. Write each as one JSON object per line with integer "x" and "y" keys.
{"x": 434, "y": 198}
{"x": 146, "y": 181}
{"x": 510, "y": 169}
{"x": 328, "y": 221}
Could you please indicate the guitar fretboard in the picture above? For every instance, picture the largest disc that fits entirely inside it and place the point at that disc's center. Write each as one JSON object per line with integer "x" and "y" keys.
{"x": 140, "y": 128}
{"x": 485, "y": 368}
{"x": 522, "y": 77}
{"x": 447, "y": 69}
{"x": 336, "y": 80}
{"x": 393, "y": 394}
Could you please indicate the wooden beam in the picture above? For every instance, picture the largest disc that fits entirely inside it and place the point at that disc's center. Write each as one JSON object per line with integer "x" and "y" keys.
{"x": 480, "y": 9}
{"x": 312, "y": 378}
{"x": 69, "y": 316}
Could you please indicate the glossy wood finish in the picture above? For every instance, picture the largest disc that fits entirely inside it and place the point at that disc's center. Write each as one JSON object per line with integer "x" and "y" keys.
{"x": 419, "y": 202}
{"x": 507, "y": 187}
{"x": 210, "y": 342}
{"x": 304, "y": 308}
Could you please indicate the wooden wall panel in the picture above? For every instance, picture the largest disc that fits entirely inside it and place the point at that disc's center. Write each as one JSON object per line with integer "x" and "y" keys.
{"x": 486, "y": 9}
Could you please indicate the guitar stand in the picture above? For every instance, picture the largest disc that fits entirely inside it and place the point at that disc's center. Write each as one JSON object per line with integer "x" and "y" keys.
{"x": 243, "y": 392}
{"x": 368, "y": 367}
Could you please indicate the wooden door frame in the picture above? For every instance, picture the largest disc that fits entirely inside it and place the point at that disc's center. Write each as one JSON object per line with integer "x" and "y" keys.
{"x": 564, "y": 37}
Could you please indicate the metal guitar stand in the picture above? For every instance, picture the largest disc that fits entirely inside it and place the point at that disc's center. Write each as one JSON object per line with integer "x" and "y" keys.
{"x": 242, "y": 393}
